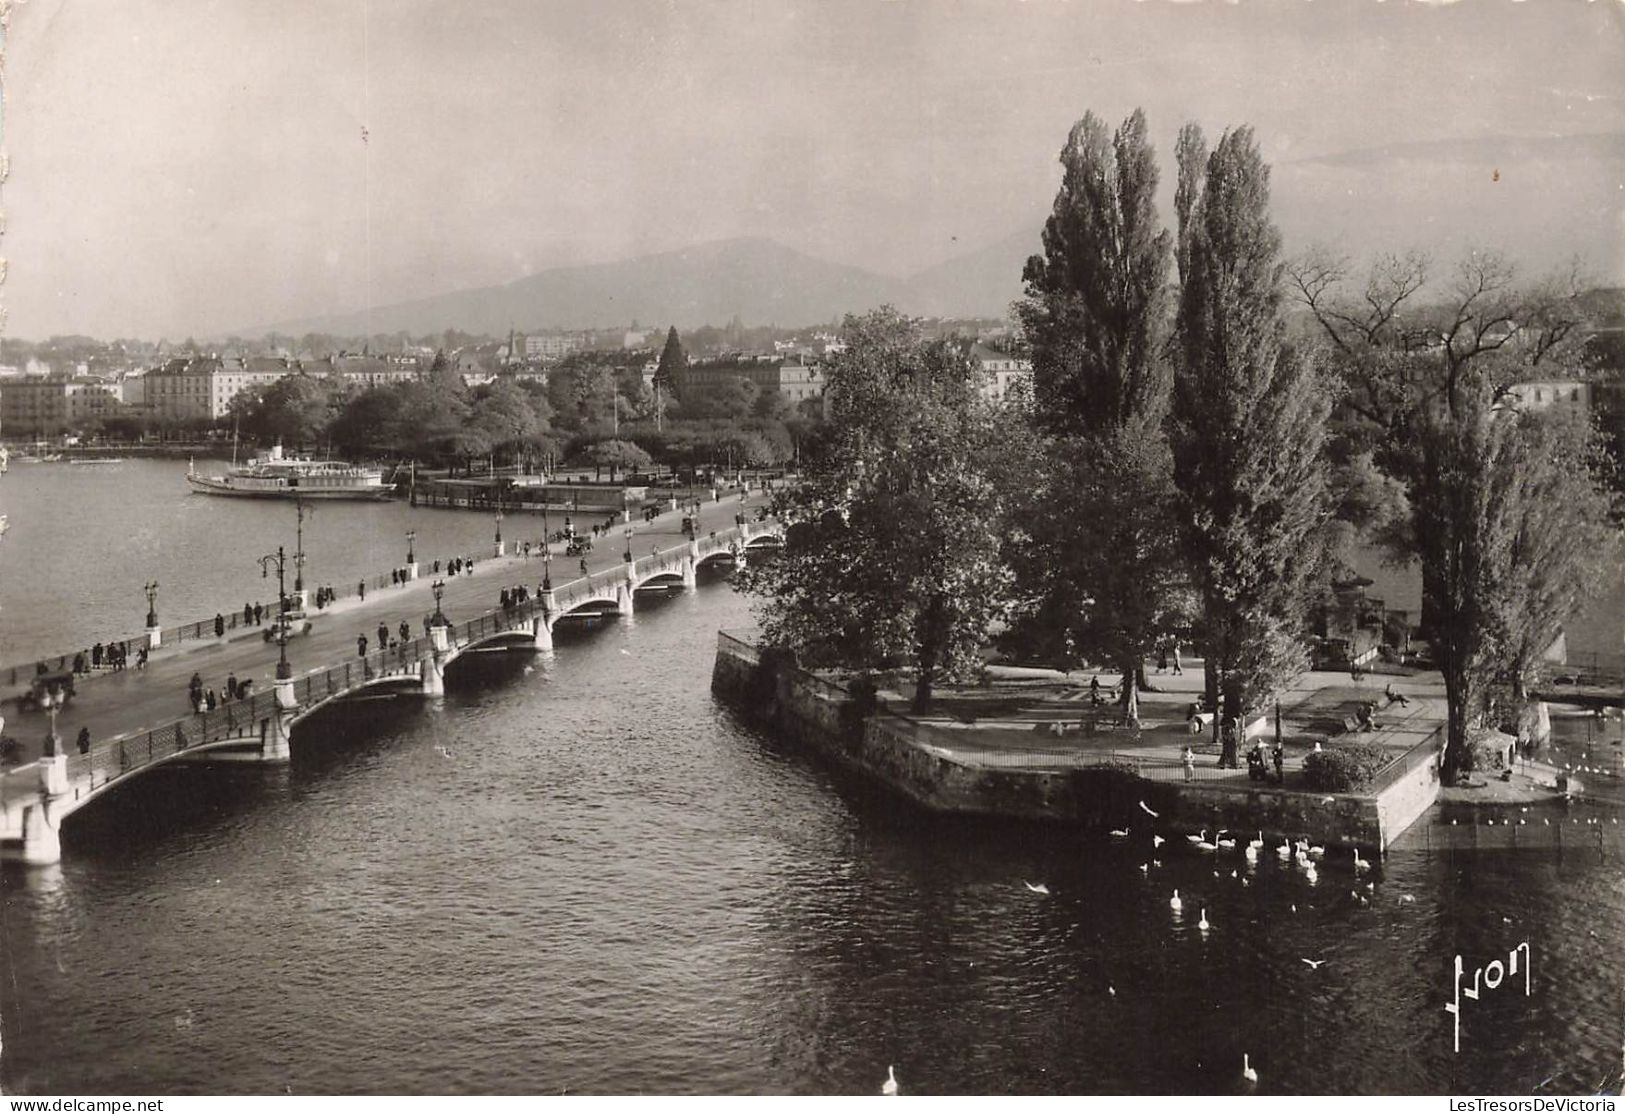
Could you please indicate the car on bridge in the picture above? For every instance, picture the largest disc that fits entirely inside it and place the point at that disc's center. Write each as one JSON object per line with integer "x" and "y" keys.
{"x": 295, "y": 622}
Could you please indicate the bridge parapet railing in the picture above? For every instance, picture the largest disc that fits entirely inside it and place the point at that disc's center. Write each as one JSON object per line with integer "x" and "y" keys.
{"x": 121, "y": 754}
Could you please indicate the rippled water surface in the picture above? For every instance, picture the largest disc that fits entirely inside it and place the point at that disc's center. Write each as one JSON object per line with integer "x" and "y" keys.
{"x": 580, "y": 873}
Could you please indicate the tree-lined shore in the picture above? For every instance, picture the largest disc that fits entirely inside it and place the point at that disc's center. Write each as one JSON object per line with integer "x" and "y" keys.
{"x": 1212, "y": 427}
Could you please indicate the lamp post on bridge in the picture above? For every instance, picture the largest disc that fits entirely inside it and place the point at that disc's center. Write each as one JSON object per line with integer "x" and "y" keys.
{"x": 439, "y": 590}
{"x": 499, "y": 547}
{"x": 299, "y": 553}
{"x": 283, "y": 670}
{"x": 628, "y": 553}
{"x": 547, "y": 571}
{"x": 53, "y": 698}
{"x": 154, "y": 632}
{"x": 411, "y": 555}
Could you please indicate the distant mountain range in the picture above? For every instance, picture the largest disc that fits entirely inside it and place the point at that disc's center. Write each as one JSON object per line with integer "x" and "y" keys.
{"x": 759, "y": 280}
{"x": 1539, "y": 199}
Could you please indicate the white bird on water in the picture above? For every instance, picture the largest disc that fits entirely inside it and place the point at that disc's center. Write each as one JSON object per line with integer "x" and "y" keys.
{"x": 890, "y": 1086}
{"x": 1119, "y": 833}
{"x": 1359, "y": 863}
{"x": 1145, "y": 868}
{"x": 1314, "y": 964}
{"x": 1247, "y": 1071}
{"x": 443, "y": 752}
{"x": 1198, "y": 839}
{"x": 1038, "y": 889}
{"x": 1202, "y": 924}
{"x": 1174, "y": 903}
{"x": 1257, "y": 842}
{"x": 1148, "y": 811}
{"x": 1157, "y": 841}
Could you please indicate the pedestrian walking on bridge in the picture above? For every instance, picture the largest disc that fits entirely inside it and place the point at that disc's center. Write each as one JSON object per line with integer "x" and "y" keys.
{"x": 383, "y": 635}
{"x": 361, "y": 645}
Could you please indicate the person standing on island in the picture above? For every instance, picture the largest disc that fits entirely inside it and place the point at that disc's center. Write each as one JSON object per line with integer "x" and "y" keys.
{"x": 1188, "y": 760}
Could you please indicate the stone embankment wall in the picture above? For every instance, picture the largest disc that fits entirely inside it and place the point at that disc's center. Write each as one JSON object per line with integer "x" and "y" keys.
{"x": 800, "y": 706}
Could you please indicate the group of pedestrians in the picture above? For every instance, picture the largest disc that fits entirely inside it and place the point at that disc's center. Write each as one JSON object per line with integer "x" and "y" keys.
{"x": 515, "y": 597}
{"x": 207, "y": 700}
{"x": 457, "y": 565}
{"x": 253, "y": 614}
{"x": 388, "y": 640}
{"x": 113, "y": 655}
{"x": 324, "y": 596}
{"x": 1258, "y": 762}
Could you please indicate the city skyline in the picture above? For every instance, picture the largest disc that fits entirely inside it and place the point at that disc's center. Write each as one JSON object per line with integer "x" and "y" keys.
{"x": 192, "y": 169}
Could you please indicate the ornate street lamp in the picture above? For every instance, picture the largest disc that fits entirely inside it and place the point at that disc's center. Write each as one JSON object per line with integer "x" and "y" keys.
{"x": 547, "y": 571}
{"x": 53, "y": 698}
{"x": 151, "y": 588}
{"x": 299, "y": 550}
{"x": 628, "y": 553}
{"x": 439, "y": 589}
{"x": 283, "y": 671}
{"x": 411, "y": 556}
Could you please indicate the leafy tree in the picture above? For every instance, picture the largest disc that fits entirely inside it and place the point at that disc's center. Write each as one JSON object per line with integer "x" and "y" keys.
{"x": 1250, "y": 419}
{"x": 505, "y": 416}
{"x": 894, "y": 551}
{"x": 370, "y": 422}
{"x": 1101, "y": 559}
{"x": 432, "y": 416}
{"x": 296, "y": 409}
{"x": 617, "y": 456}
{"x": 1507, "y": 513}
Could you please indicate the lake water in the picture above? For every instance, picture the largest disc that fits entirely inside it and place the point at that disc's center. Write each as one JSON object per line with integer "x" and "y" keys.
{"x": 581, "y": 873}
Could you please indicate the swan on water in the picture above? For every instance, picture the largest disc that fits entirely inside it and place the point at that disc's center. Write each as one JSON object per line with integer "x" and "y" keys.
{"x": 1038, "y": 889}
{"x": 890, "y": 1086}
{"x": 1174, "y": 903}
{"x": 1247, "y": 1071}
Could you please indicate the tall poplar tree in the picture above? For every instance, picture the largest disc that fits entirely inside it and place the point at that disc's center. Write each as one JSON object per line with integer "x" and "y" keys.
{"x": 1099, "y": 557}
{"x": 672, "y": 360}
{"x": 1249, "y": 428}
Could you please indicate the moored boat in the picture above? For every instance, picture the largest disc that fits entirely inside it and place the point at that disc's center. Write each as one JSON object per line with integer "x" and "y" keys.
{"x": 293, "y": 477}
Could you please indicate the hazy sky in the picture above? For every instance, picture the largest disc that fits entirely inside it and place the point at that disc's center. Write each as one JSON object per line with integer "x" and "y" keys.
{"x": 196, "y": 166}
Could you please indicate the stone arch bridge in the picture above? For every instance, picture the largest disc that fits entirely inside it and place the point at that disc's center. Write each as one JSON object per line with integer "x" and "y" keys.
{"x": 35, "y": 798}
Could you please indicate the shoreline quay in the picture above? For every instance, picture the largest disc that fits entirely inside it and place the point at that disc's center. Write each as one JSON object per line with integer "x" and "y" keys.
{"x": 1092, "y": 786}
